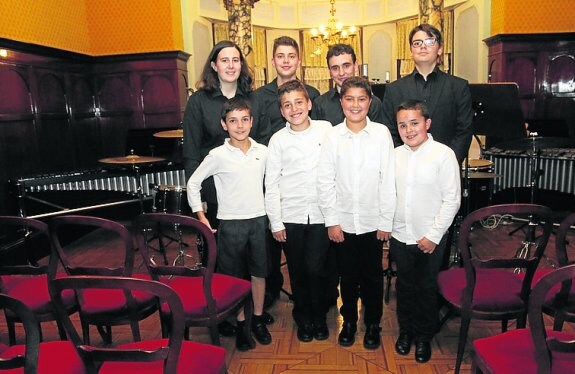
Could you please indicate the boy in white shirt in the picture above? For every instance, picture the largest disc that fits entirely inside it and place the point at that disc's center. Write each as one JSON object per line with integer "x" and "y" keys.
{"x": 238, "y": 168}
{"x": 356, "y": 187}
{"x": 428, "y": 189}
{"x": 292, "y": 208}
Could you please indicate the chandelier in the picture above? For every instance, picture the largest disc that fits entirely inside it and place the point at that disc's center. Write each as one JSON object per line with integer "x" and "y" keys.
{"x": 334, "y": 32}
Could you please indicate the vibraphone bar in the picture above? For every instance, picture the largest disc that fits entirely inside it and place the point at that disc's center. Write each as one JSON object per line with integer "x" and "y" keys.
{"x": 557, "y": 166}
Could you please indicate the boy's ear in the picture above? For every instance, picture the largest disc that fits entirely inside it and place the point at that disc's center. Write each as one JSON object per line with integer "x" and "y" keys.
{"x": 427, "y": 123}
{"x": 224, "y": 124}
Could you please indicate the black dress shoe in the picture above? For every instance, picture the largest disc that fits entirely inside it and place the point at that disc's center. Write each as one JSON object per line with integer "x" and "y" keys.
{"x": 372, "y": 338}
{"x": 305, "y": 333}
{"x": 320, "y": 331}
{"x": 260, "y": 330}
{"x": 227, "y": 329}
{"x": 403, "y": 344}
{"x": 422, "y": 351}
{"x": 347, "y": 335}
{"x": 267, "y": 318}
{"x": 243, "y": 341}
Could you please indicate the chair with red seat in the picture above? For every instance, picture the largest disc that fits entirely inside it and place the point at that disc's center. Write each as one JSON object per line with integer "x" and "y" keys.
{"x": 34, "y": 357}
{"x": 208, "y": 298}
{"x": 487, "y": 287}
{"x": 102, "y": 308}
{"x": 172, "y": 355}
{"x": 19, "y": 279}
{"x": 531, "y": 350}
{"x": 561, "y": 304}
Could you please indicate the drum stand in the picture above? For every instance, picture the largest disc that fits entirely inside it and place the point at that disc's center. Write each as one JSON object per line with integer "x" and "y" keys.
{"x": 529, "y": 241}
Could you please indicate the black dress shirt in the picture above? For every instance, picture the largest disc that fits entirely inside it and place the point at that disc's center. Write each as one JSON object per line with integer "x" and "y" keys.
{"x": 328, "y": 107}
{"x": 449, "y": 102}
{"x": 267, "y": 97}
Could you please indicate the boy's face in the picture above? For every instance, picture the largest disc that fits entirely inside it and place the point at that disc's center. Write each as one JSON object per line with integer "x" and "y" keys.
{"x": 412, "y": 127}
{"x": 425, "y": 54}
{"x": 286, "y": 61}
{"x": 295, "y": 107}
{"x": 341, "y": 67}
{"x": 355, "y": 104}
{"x": 238, "y": 124}
{"x": 228, "y": 65}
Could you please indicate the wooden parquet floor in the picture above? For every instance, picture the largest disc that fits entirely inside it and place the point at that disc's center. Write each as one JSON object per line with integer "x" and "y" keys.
{"x": 288, "y": 355}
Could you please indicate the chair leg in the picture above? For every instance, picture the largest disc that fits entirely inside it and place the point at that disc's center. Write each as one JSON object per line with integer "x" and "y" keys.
{"x": 61, "y": 330}
{"x": 214, "y": 333}
{"x": 135, "y": 330}
{"x": 11, "y": 331}
{"x": 105, "y": 333}
{"x": 558, "y": 322}
{"x": 504, "y": 325}
{"x": 463, "y": 330}
{"x": 522, "y": 321}
{"x": 85, "y": 331}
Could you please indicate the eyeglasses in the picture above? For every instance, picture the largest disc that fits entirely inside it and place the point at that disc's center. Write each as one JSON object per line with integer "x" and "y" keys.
{"x": 429, "y": 42}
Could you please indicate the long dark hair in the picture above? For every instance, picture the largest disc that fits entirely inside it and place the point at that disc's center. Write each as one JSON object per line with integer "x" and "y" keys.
{"x": 210, "y": 81}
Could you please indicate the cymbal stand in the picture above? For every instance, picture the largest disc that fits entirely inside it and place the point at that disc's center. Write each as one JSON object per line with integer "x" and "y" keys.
{"x": 529, "y": 241}
{"x": 455, "y": 255}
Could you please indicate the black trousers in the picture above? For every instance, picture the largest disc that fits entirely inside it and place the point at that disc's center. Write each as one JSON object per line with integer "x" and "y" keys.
{"x": 306, "y": 251}
{"x": 417, "y": 294}
{"x": 359, "y": 258}
{"x": 275, "y": 280}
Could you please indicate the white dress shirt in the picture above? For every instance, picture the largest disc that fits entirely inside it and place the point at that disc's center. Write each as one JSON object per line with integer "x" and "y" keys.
{"x": 239, "y": 181}
{"x": 428, "y": 188}
{"x": 291, "y": 175}
{"x": 356, "y": 183}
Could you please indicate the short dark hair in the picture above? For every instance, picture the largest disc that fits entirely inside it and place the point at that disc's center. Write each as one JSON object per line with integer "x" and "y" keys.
{"x": 431, "y": 31}
{"x": 415, "y": 105}
{"x": 293, "y": 85}
{"x": 340, "y": 49}
{"x": 356, "y": 82}
{"x": 285, "y": 41}
{"x": 236, "y": 103}
{"x": 209, "y": 80}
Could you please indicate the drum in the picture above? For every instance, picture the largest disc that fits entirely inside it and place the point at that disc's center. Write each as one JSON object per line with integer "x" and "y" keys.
{"x": 170, "y": 199}
{"x": 479, "y": 165}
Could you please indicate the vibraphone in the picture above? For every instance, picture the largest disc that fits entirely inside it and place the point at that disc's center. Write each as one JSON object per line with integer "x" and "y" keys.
{"x": 557, "y": 167}
{"x": 121, "y": 180}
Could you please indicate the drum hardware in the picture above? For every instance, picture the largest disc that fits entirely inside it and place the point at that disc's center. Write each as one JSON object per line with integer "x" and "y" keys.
{"x": 178, "y": 134}
{"x": 534, "y": 143}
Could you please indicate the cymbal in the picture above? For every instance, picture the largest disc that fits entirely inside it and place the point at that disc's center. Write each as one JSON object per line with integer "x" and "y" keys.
{"x": 179, "y": 133}
{"x": 483, "y": 175}
{"x": 130, "y": 159}
{"x": 537, "y": 142}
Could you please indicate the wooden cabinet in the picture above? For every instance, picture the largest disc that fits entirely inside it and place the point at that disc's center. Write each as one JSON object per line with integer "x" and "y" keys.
{"x": 543, "y": 65}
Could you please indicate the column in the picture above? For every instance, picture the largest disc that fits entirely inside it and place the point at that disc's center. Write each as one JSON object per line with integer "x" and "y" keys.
{"x": 240, "y": 25}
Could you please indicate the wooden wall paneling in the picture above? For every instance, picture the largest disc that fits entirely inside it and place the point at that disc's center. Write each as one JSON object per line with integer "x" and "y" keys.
{"x": 114, "y": 110}
{"x": 18, "y": 141}
{"x": 522, "y": 69}
{"x": 55, "y": 135}
{"x": 85, "y": 125}
{"x": 160, "y": 99}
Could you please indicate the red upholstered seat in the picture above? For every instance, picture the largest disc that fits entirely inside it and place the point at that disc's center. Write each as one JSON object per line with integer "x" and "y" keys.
{"x": 19, "y": 280}
{"x": 194, "y": 358}
{"x": 208, "y": 298}
{"x": 495, "y": 289}
{"x": 487, "y": 287}
{"x": 514, "y": 352}
{"x": 170, "y": 355}
{"x": 55, "y": 357}
{"x": 34, "y": 357}
{"x": 224, "y": 290}
{"x": 532, "y": 350}
{"x": 103, "y": 308}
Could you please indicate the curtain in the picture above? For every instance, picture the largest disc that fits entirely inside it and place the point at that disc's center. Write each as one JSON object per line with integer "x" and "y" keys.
{"x": 314, "y": 51}
{"x": 317, "y": 76}
{"x": 221, "y": 32}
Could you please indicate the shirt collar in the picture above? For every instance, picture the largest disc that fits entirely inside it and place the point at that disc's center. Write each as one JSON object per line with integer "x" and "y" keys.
{"x": 421, "y": 147}
{"x": 289, "y": 129}
{"x": 253, "y": 146}
{"x": 343, "y": 130}
{"x": 333, "y": 94}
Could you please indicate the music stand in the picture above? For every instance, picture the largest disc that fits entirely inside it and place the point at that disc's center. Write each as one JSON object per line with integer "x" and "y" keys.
{"x": 498, "y": 117}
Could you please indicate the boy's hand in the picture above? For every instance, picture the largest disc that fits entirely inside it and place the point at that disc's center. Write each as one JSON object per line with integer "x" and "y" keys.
{"x": 335, "y": 234}
{"x": 426, "y": 245}
{"x": 383, "y": 235}
{"x": 280, "y": 236}
{"x": 203, "y": 219}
